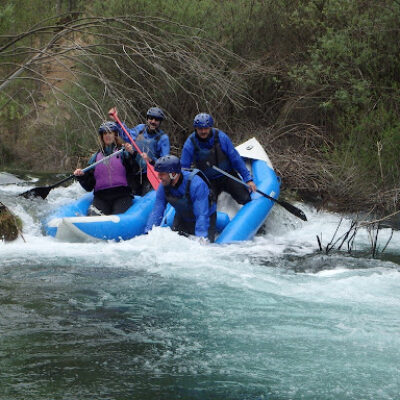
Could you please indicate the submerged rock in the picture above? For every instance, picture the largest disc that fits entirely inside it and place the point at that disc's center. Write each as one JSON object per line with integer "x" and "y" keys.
{"x": 10, "y": 225}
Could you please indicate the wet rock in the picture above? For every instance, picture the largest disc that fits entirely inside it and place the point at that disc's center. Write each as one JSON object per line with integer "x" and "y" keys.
{"x": 10, "y": 225}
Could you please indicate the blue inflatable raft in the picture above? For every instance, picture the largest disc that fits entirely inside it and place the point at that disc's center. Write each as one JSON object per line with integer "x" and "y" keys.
{"x": 71, "y": 223}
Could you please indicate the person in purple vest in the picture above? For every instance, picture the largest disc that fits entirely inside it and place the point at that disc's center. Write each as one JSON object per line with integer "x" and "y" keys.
{"x": 110, "y": 180}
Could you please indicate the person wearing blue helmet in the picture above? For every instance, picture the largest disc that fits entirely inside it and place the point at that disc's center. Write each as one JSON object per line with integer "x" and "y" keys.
{"x": 109, "y": 180}
{"x": 152, "y": 141}
{"x": 188, "y": 192}
{"x": 208, "y": 146}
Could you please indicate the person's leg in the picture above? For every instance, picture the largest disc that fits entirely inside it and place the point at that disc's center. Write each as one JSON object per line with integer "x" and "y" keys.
{"x": 212, "y": 228}
{"x": 101, "y": 205}
{"x": 239, "y": 192}
{"x": 121, "y": 204}
{"x": 134, "y": 184}
{"x": 216, "y": 188}
{"x": 146, "y": 185}
{"x": 183, "y": 227}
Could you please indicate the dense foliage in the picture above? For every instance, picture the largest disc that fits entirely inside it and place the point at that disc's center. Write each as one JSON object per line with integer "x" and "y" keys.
{"x": 317, "y": 81}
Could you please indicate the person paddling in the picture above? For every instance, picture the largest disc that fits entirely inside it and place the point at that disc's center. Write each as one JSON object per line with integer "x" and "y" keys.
{"x": 152, "y": 141}
{"x": 207, "y": 147}
{"x": 189, "y": 193}
{"x": 109, "y": 180}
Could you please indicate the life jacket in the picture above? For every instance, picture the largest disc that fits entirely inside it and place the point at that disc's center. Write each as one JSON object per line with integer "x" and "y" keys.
{"x": 147, "y": 145}
{"x": 205, "y": 158}
{"x": 111, "y": 173}
{"x": 183, "y": 204}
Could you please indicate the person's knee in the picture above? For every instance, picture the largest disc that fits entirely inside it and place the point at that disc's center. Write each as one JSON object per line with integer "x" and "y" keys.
{"x": 122, "y": 205}
{"x": 243, "y": 197}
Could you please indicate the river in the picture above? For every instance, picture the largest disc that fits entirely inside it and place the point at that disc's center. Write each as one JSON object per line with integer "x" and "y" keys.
{"x": 164, "y": 317}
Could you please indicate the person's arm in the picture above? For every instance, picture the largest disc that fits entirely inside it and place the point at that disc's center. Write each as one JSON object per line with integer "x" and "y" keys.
{"x": 133, "y": 132}
{"x": 87, "y": 179}
{"x": 163, "y": 146}
{"x": 199, "y": 194}
{"x": 129, "y": 159}
{"x": 236, "y": 160}
{"x": 157, "y": 214}
{"x": 187, "y": 154}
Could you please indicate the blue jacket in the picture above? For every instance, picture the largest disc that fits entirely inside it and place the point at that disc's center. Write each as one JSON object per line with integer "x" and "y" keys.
{"x": 155, "y": 144}
{"x": 189, "y": 154}
{"x": 198, "y": 204}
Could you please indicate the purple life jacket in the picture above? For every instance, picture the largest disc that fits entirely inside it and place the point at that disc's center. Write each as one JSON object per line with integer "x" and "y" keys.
{"x": 109, "y": 174}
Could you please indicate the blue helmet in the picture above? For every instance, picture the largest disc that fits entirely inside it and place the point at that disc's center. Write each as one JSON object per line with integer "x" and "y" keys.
{"x": 203, "y": 120}
{"x": 168, "y": 163}
{"x": 155, "y": 112}
{"x": 108, "y": 126}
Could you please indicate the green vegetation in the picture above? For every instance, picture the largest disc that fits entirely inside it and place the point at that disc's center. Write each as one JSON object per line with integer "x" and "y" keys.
{"x": 317, "y": 81}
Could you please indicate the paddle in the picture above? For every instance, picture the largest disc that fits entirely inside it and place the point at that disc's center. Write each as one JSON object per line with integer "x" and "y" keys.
{"x": 151, "y": 173}
{"x": 43, "y": 191}
{"x": 289, "y": 207}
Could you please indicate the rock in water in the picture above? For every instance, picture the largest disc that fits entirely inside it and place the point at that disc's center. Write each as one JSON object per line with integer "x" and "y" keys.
{"x": 10, "y": 225}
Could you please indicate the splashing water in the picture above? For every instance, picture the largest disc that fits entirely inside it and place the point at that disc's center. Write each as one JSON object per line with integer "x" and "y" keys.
{"x": 163, "y": 317}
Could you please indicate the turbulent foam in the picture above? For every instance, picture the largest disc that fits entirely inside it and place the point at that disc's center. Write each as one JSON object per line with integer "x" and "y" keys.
{"x": 270, "y": 318}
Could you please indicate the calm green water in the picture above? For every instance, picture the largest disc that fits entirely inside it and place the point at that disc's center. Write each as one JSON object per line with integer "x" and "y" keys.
{"x": 162, "y": 317}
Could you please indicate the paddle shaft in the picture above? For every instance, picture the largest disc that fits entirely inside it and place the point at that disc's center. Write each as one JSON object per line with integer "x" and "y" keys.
{"x": 151, "y": 173}
{"x": 289, "y": 207}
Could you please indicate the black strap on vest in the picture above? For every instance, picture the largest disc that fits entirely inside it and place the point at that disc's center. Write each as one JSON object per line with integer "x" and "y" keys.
{"x": 216, "y": 143}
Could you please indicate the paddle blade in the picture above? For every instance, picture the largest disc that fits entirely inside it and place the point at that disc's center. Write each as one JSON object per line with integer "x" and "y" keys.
{"x": 41, "y": 191}
{"x": 294, "y": 210}
{"x": 152, "y": 176}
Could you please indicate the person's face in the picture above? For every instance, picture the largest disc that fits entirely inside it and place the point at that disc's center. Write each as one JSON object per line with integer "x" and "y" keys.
{"x": 203, "y": 132}
{"x": 164, "y": 178}
{"x": 153, "y": 123}
{"x": 108, "y": 138}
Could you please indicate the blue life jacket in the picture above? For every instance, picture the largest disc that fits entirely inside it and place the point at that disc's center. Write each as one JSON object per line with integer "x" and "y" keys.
{"x": 205, "y": 158}
{"x": 183, "y": 204}
{"x": 148, "y": 145}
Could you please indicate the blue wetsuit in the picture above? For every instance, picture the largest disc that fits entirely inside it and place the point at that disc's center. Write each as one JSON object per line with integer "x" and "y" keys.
{"x": 154, "y": 144}
{"x": 193, "y": 205}
{"x": 217, "y": 150}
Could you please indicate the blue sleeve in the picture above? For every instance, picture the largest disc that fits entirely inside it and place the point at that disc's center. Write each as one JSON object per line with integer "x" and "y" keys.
{"x": 234, "y": 157}
{"x": 187, "y": 153}
{"x": 157, "y": 214}
{"x": 92, "y": 159}
{"x": 163, "y": 146}
{"x": 199, "y": 195}
{"x": 132, "y": 131}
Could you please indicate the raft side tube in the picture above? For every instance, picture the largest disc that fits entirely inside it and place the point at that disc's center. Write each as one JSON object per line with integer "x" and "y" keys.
{"x": 252, "y": 215}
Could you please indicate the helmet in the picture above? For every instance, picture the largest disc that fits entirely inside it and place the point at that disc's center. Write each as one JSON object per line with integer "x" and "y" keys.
{"x": 203, "y": 120}
{"x": 168, "y": 164}
{"x": 155, "y": 112}
{"x": 108, "y": 126}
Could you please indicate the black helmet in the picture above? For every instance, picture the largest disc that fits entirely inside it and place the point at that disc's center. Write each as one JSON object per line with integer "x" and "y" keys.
{"x": 168, "y": 163}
